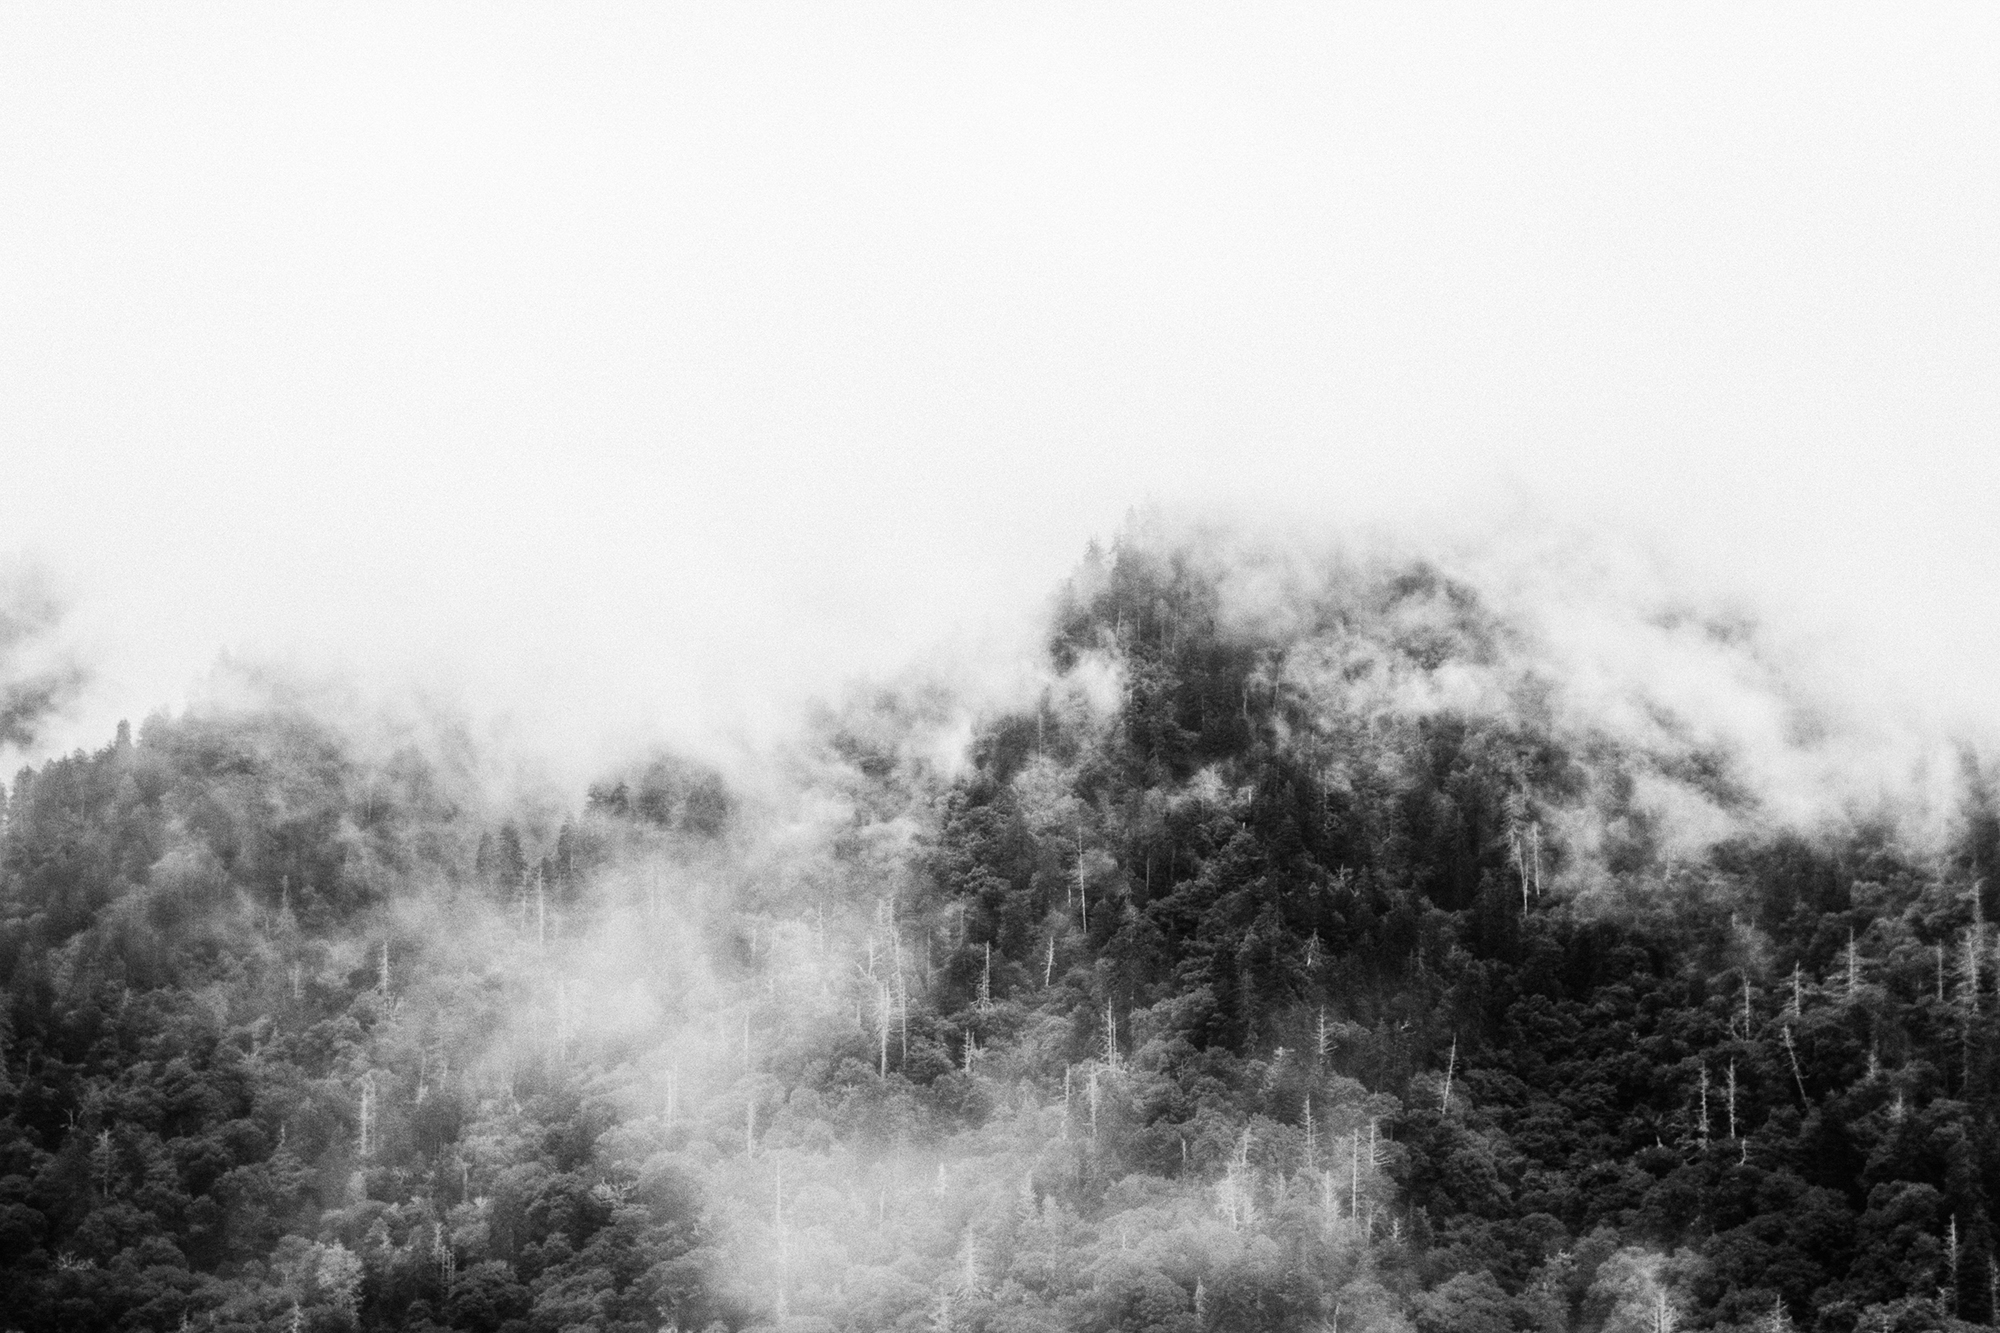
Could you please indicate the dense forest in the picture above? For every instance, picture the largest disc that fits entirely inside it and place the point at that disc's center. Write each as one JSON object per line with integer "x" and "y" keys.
{"x": 1313, "y": 947}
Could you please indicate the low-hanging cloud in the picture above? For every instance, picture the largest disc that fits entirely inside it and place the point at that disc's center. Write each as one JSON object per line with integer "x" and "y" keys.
{"x": 39, "y": 675}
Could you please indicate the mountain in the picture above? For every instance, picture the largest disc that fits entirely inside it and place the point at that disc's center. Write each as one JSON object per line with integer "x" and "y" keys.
{"x": 1324, "y": 941}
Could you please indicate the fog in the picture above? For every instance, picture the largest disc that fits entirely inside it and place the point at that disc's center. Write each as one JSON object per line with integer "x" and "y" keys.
{"x": 592, "y": 489}
{"x": 629, "y": 372}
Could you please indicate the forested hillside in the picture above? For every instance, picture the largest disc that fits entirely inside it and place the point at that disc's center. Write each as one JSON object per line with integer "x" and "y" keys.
{"x": 1316, "y": 947}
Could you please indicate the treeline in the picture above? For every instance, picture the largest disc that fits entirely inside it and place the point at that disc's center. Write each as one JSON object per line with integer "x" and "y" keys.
{"x": 247, "y": 983}
{"x": 1305, "y": 957}
{"x": 1750, "y": 1090}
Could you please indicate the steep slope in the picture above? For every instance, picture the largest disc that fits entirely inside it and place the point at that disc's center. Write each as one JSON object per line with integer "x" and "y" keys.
{"x": 1326, "y": 943}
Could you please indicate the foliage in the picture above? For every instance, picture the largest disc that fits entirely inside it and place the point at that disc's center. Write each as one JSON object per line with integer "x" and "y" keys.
{"x": 1295, "y": 963}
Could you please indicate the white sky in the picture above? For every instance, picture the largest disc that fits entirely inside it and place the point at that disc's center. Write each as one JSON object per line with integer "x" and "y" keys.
{"x": 638, "y": 366}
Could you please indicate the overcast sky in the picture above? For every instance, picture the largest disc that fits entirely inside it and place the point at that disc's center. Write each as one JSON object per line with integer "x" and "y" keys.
{"x": 639, "y": 366}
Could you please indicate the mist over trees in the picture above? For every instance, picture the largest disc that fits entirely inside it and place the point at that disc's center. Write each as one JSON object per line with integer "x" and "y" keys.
{"x": 1321, "y": 944}
{"x": 37, "y": 676}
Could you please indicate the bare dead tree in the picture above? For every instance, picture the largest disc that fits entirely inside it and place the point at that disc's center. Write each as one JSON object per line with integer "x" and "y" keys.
{"x": 883, "y": 1016}
{"x": 1797, "y": 1076}
{"x": 1951, "y": 1264}
{"x": 366, "y": 1144}
{"x": 1704, "y": 1104}
{"x": 1732, "y": 1099}
{"x": 1082, "y": 888}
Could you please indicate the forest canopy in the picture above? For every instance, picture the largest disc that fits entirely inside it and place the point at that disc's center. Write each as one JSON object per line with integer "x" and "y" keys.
{"x": 1322, "y": 942}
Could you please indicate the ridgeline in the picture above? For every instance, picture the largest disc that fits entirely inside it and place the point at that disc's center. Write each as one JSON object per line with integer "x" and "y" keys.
{"x": 1305, "y": 960}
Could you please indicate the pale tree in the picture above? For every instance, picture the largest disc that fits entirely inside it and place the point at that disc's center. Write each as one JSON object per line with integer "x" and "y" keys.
{"x": 1237, "y": 1192}
{"x": 1950, "y": 1293}
{"x": 1703, "y": 1130}
{"x": 1778, "y": 1320}
{"x": 884, "y": 1020}
{"x": 365, "y": 1145}
{"x": 1638, "y": 1286}
{"x": 1743, "y": 1145}
{"x": 1082, "y": 884}
{"x": 1366, "y": 1155}
{"x": 321, "y": 1272}
{"x": 103, "y": 1163}
{"x": 1798, "y": 1075}
{"x": 447, "y": 1260}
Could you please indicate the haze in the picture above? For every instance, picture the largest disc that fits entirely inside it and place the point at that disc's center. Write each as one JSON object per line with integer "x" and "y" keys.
{"x": 634, "y": 369}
